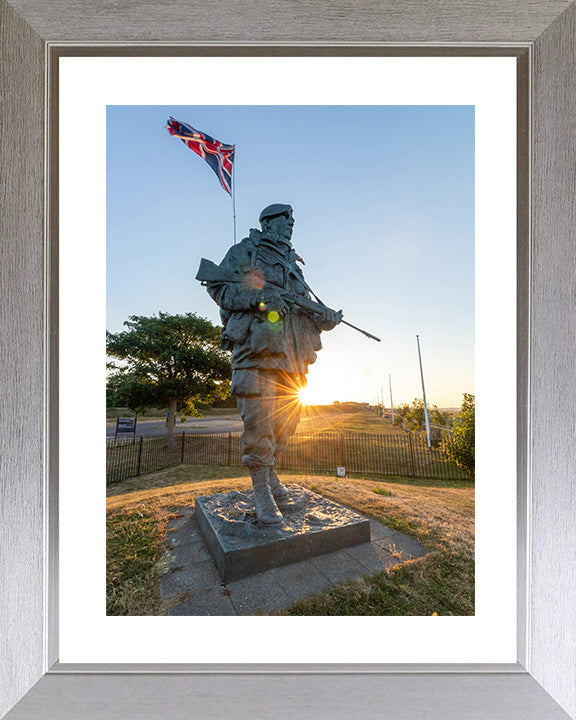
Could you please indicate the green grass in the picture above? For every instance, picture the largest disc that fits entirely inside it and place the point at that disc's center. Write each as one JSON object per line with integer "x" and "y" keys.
{"x": 439, "y": 515}
{"x": 367, "y": 453}
{"x": 219, "y": 412}
{"x": 155, "y": 455}
{"x": 134, "y": 562}
{"x": 125, "y": 412}
{"x": 345, "y": 418}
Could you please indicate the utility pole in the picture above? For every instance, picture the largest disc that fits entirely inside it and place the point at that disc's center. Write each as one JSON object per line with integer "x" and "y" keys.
{"x": 391, "y": 401}
{"x": 423, "y": 393}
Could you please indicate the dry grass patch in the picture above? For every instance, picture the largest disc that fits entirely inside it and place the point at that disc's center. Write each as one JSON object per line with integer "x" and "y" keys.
{"x": 135, "y": 561}
{"x": 441, "y": 518}
{"x": 136, "y": 556}
{"x": 164, "y": 499}
{"x": 176, "y": 476}
{"x": 441, "y": 583}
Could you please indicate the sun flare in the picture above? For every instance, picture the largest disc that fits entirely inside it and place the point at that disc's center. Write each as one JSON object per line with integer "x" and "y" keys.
{"x": 303, "y": 396}
{"x": 316, "y": 394}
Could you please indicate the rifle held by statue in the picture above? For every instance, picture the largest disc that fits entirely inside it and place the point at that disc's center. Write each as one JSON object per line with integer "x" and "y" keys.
{"x": 210, "y": 272}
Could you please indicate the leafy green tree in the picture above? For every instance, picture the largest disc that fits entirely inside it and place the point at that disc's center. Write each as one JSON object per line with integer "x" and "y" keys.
{"x": 169, "y": 361}
{"x": 460, "y": 445}
{"x": 401, "y": 412}
{"x": 437, "y": 417}
{"x": 413, "y": 419}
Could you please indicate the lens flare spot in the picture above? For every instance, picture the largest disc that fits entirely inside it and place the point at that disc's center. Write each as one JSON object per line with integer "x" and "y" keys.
{"x": 273, "y": 316}
{"x": 256, "y": 280}
{"x": 262, "y": 306}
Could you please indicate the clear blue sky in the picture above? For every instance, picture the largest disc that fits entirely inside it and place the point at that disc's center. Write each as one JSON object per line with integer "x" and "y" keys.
{"x": 383, "y": 200}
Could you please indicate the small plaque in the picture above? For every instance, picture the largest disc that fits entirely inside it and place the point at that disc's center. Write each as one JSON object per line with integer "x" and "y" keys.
{"x": 125, "y": 426}
{"x": 340, "y": 471}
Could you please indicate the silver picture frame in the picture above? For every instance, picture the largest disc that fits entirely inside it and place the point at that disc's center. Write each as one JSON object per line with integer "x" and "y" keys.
{"x": 542, "y": 684}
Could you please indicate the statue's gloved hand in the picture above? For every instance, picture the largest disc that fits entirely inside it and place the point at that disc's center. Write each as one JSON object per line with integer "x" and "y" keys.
{"x": 330, "y": 318}
{"x": 274, "y": 300}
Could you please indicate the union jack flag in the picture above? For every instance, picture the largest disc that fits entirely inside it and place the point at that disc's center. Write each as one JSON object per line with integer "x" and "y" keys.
{"x": 218, "y": 155}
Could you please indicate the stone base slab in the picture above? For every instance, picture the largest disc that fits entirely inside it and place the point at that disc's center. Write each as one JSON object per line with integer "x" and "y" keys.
{"x": 241, "y": 546}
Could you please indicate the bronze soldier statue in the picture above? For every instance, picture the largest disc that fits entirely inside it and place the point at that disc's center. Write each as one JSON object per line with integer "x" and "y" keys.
{"x": 273, "y": 328}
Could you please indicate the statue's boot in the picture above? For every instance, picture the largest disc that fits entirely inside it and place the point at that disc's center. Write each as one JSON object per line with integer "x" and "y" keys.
{"x": 279, "y": 491}
{"x": 266, "y": 509}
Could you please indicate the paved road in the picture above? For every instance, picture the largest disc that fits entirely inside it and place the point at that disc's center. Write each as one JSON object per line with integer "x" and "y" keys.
{"x": 155, "y": 427}
{"x": 311, "y": 421}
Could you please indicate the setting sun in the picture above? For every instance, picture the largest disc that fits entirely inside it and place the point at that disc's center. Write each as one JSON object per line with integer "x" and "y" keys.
{"x": 316, "y": 394}
{"x": 303, "y": 396}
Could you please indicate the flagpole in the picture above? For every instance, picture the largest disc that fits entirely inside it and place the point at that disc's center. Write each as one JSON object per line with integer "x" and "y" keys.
{"x": 198, "y": 142}
{"x": 234, "y": 194}
{"x": 423, "y": 393}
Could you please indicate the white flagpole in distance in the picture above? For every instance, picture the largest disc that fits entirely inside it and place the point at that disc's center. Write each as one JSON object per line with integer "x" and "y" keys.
{"x": 423, "y": 393}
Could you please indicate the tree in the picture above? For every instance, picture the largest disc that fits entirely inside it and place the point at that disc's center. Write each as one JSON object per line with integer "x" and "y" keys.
{"x": 460, "y": 445}
{"x": 413, "y": 419}
{"x": 169, "y": 361}
{"x": 401, "y": 411}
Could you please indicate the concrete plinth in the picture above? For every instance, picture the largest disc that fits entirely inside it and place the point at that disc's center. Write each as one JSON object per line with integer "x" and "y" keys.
{"x": 240, "y": 546}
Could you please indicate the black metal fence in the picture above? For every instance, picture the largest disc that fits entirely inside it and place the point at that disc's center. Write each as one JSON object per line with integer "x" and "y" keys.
{"x": 404, "y": 455}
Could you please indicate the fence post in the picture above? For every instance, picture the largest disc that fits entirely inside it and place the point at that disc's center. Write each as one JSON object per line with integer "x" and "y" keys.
{"x": 139, "y": 456}
{"x": 182, "y": 453}
{"x": 342, "y": 457}
{"x": 229, "y": 448}
{"x": 412, "y": 455}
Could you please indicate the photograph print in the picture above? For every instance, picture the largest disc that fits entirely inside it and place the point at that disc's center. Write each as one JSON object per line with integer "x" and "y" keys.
{"x": 290, "y": 399}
